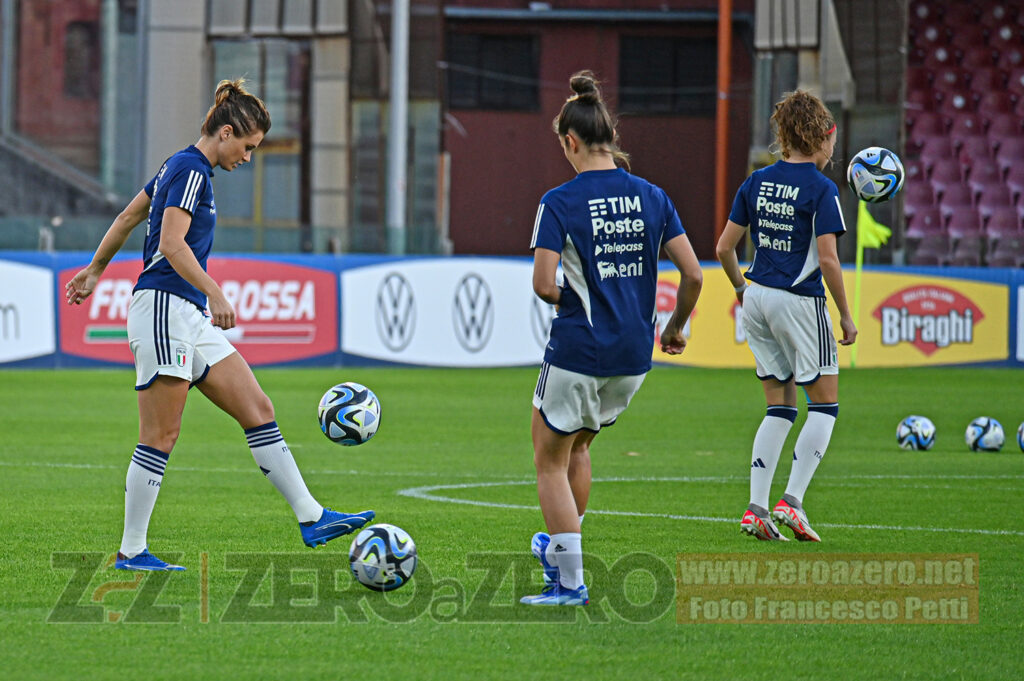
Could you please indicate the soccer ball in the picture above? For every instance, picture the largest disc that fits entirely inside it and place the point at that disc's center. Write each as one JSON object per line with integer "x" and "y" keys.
{"x": 382, "y": 557}
{"x": 915, "y": 432}
{"x": 875, "y": 174}
{"x": 349, "y": 414}
{"x": 1020, "y": 437}
{"x": 984, "y": 434}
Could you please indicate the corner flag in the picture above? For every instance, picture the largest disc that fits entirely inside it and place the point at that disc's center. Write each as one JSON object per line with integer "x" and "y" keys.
{"x": 870, "y": 234}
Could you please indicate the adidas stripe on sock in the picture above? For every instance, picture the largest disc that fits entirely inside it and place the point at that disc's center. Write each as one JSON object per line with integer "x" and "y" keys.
{"x": 275, "y": 460}
{"x": 141, "y": 487}
{"x": 768, "y": 443}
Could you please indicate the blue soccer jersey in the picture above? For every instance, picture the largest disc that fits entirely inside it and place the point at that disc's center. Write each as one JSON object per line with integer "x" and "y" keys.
{"x": 609, "y": 227}
{"x": 787, "y": 206}
{"x": 184, "y": 182}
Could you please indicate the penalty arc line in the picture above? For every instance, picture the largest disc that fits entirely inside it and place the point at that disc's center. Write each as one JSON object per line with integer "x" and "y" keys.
{"x": 426, "y": 493}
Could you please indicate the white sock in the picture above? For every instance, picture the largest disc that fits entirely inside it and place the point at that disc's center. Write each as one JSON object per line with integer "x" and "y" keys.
{"x": 810, "y": 447}
{"x": 768, "y": 443}
{"x": 141, "y": 487}
{"x": 275, "y": 460}
{"x": 565, "y": 552}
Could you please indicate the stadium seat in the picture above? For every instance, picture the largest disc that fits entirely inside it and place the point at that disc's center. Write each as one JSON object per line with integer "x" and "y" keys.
{"x": 914, "y": 170}
{"x": 1003, "y": 222}
{"x": 1006, "y": 36}
{"x": 931, "y": 251}
{"x": 956, "y": 194}
{"x": 926, "y": 222}
{"x": 935, "y": 147}
{"x": 966, "y": 35}
{"x": 1009, "y": 152}
{"x": 919, "y": 100}
{"x": 930, "y": 34}
{"x": 965, "y": 124}
{"x": 997, "y": 195}
{"x": 981, "y": 173}
{"x": 1004, "y": 124}
{"x": 1010, "y": 58}
{"x": 967, "y": 252}
{"x": 922, "y": 12}
{"x": 1015, "y": 183}
{"x": 925, "y": 124}
{"x": 918, "y": 195}
{"x": 978, "y": 57}
{"x": 1007, "y": 252}
{"x": 934, "y": 57}
{"x": 997, "y": 14}
{"x": 1015, "y": 81}
{"x": 959, "y": 15}
{"x": 953, "y": 103}
{"x": 918, "y": 78}
{"x": 987, "y": 79}
{"x": 951, "y": 79}
{"x": 974, "y": 149}
{"x": 962, "y": 221}
{"x": 943, "y": 175}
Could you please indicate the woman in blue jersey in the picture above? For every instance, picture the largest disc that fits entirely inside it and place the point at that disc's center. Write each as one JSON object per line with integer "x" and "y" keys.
{"x": 174, "y": 341}
{"x": 792, "y": 213}
{"x": 606, "y": 227}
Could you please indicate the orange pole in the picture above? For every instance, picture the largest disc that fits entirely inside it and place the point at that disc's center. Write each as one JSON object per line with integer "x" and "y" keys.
{"x": 722, "y": 115}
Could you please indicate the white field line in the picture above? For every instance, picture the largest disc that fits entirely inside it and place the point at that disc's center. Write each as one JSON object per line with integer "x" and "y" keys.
{"x": 427, "y": 493}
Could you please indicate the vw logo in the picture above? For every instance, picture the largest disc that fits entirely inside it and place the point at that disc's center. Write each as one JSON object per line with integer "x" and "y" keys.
{"x": 541, "y": 315}
{"x": 472, "y": 313}
{"x": 396, "y": 312}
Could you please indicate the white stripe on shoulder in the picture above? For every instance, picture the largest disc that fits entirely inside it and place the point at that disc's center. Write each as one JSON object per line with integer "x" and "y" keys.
{"x": 839, "y": 209}
{"x": 188, "y": 199}
{"x": 536, "y": 226}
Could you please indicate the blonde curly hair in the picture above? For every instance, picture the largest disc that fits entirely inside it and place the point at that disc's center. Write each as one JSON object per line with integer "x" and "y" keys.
{"x": 802, "y": 124}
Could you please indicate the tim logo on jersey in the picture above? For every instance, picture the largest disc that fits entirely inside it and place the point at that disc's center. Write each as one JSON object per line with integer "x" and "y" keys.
{"x": 605, "y": 217}
{"x": 776, "y": 199}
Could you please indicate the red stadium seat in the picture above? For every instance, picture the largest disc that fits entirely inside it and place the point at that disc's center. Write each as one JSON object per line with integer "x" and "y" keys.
{"x": 966, "y": 125}
{"x": 961, "y": 221}
{"x": 914, "y": 170}
{"x": 919, "y": 100}
{"x": 1005, "y": 124}
{"x": 951, "y": 79}
{"x": 953, "y": 103}
{"x": 943, "y": 175}
{"x": 956, "y": 194}
{"x": 987, "y": 79}
{"x": 922, "y": 12}
{"x": 959, "y": 15}
{"x": 981, "y": 173}
{"x": 937, "y": 147}
{"x": 965, "y": 35}
{"x": 974, "y": 149}
{"x": 927, "y": 221}
{"x": 1006, "y": 252}
{"x": 1015, "y": 183}
{"x": 994, "y": 102}
{"x": 1015, "y": 81}
{"x": 1010, "y": 58}
{"x": 918, "y": 78}
{"x": 938, "y": 56}
{"x": 1002, "y": 222}
{"x": 978, "y": 57}
{"x": 1009, "y": 152}
{"x": 931, "y": 251}
{"x": 1006, "y": 36}
{"x": 917, "y": 195}
{"x": 967, "y": 252}
{"x": 997, "y": 14}
{"x": 931, "y": 34}
{"x": 996, "y": 196}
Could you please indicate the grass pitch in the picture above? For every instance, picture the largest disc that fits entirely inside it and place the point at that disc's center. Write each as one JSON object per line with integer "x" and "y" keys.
{"x": 452, "y": 464}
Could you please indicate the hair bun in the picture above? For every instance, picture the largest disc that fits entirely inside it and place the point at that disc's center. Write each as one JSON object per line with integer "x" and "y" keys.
{"x": 584, "y": 84}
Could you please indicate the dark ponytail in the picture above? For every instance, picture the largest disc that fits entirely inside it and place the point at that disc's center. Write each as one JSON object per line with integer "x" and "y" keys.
{"x": 233, "y": 105}
{"x": 586, "y": 115}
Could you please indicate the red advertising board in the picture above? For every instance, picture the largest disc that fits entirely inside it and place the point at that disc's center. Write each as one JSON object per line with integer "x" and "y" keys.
{"x": 285, "y": 312}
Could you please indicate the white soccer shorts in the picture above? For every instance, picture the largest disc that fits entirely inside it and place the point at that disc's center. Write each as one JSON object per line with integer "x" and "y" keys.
{"x": 790, "y": 335}
{"x": 170, "y": 336}
{"x": 570, "y": 402}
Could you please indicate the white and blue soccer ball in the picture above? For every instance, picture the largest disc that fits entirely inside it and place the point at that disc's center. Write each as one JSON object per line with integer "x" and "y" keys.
{"x": 875, "y": 174}
{"x": 915, "y": 432}
{"x": 349, "y": 414}
{"x": 984, "y": 434}
{"x": 1020, "y": 436}
{"x": 382, "y": 557}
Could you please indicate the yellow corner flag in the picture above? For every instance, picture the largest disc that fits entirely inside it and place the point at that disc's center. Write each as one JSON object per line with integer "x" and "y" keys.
{"x": 870, "y": 234}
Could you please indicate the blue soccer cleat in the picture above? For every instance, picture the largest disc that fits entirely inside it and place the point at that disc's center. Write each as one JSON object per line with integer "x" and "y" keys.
{"x": 144, "y": 560}
{"x": 538, "y": 547}
{"x": 556, "y": 594}
{"x": 332, "y": 524}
